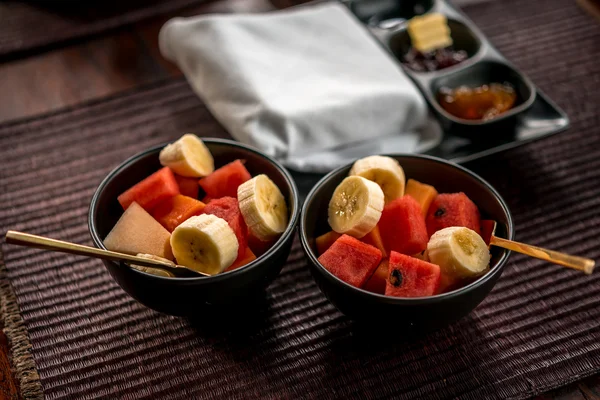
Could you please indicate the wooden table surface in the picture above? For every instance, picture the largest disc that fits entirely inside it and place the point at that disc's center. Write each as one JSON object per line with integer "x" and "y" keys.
{"x": 110, "y": 63}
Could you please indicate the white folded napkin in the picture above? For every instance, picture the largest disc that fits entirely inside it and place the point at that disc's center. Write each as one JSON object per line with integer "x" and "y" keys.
{"x": 309, "y": 86}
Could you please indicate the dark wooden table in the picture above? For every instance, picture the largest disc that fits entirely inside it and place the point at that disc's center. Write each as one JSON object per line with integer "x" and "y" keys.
{"x": 99, "y": 66}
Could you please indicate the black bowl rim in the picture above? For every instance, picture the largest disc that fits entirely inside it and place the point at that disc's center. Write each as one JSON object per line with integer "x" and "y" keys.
{"x": 494, "y": 270}
{"x": 290, "y": 230}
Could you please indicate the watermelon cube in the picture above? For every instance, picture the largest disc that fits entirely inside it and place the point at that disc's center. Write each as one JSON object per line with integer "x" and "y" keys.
{"x": 228, "y": 209}
{"x": 411, "y": 277}
{"x": 258, "y": 246}
{"x": 151, "y": 191}
{"x": 325, "y": 241}
{"x": 452, "y": 209}
{"x": 351, "y": 260}
{"x": 403, "y": 227}
{"x": 225, "y": 180}
{"x": 173, "y": 211}
{"x": 378, "y": 280}
{"x": 187, "y": 186}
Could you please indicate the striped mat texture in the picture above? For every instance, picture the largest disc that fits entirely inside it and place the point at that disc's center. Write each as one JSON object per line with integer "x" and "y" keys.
{"x": 29, "y": 25}
{"x": 537, "y": 330}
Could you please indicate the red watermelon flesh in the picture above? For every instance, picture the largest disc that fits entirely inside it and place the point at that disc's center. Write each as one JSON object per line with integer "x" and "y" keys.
{"x": 154, "y": 189}
{"x": 228, "y": 209}
{"x": 351, "y": 260}
{"x": 452, "y": 209}
{"x": 187, "y": 186}
{"x": 225, "y": 180}
{"x": 411, "y": 277}
{"x": 402, "y": 226}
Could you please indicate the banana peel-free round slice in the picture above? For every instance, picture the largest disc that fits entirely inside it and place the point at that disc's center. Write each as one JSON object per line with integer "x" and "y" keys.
{"x": 263, "y": 207}
{"x": 385, "y": 171}
{"x": 188, "y": 156}
{"x": 205, "y": 243}
{"x": 355, "y": 206}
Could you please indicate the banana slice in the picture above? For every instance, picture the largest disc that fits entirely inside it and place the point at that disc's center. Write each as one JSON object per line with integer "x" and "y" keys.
{"x": 154, "y": 271}
{"x": 263, "y": 207}
{"x": 460, "y": 252}
{"x": 188, "y": 156}
{"x": 355, "y": 207}
{"x": 205, "y": 243}
{"x": 384, "y": 171}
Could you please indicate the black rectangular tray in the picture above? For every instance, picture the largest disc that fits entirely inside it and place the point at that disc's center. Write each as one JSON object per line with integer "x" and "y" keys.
{"x": 539, "y": 119}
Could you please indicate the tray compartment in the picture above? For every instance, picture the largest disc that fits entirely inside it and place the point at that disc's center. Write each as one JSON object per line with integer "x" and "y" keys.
{"x": 388, "y": 13}
{"x": 463, "y": 38}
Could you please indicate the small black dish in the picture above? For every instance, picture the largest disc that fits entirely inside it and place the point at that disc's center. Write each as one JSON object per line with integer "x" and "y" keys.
{"x": 411, "y": 314}
{"x": 386, "y": 13}
{"x": 463, "y": 39}
{"x": 189, "y": 296}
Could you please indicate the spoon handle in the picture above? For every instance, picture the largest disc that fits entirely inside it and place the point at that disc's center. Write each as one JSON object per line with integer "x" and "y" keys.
{"x": 579, "y": 263}
{"x": 40, "y": 242}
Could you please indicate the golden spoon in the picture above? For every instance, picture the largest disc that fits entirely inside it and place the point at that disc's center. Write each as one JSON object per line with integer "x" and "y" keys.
{"x": 488, "y": 229}
{"x": 40, "y": 242}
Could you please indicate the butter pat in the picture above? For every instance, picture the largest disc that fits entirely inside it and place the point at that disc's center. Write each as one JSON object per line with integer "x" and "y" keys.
{"x": 429, "y": 32}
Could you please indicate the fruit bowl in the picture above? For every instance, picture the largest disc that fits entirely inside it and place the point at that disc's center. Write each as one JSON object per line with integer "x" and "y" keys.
{"x": 194, "y": 295}
{"x": 416, "y": 314}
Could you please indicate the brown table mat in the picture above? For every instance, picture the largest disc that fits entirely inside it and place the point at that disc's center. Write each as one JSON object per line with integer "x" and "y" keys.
{"x": 538, "y": 329}
{"x": 29, "y": 24}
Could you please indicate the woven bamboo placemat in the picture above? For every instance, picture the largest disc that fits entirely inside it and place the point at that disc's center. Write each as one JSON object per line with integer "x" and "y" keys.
{"x": 30, "y": 24}
{"x": 76, "y": 334}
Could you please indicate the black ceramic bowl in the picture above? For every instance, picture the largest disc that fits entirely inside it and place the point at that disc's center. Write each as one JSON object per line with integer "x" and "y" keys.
{"x": 190, "y": 296}
{"x": 425, "y": 313}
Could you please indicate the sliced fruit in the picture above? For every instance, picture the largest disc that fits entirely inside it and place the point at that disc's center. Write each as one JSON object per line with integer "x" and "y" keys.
{"x": 225, "y": 180}
{"x": 411, "y": 277}
{"x": 385, "y": 171}
{"x": 488, "y": 229}
{"x": 452, "y": 209}
{"x": 378, "y": 280}
{"x": 263, "y": 207}
{"x": 460, "y": 252}
{"x": 351, "y": 260}
{"x": 259, "y": 247}
{"x": 154, "y": 271}
{"x": 246, "y": 258}
{"x": 422, "y": 193}
{"x": 325, "y": 241}
{"x": 422, "y": 256}
{"x": 188, "y": 186}
{"x": 374, "y": 239}
{"x": 228, "y": 209}
{"x": 207, "y": 199}
{"x": 355, "y": 206}
{"x": 188, "y": 156}
{"x": 137, "y": 232}
{"x": 151, "y": 191}
{"x": 402, "y": 226}
{"x": 173, "y": 211}
{"x": 205, "y": 243}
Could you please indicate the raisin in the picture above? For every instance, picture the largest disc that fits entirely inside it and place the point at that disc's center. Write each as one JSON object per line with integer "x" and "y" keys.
{"x": 439, "y": 212}
{"x": 396, "y": 278}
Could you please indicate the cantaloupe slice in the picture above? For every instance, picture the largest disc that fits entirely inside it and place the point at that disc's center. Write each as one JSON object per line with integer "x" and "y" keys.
{"x": 171, "y": 212}
{"x": 137, "y": 232}
{"x": 374, "y": 239}
{"x": 247, "y": 258}
{"x": 325, "y": 241}
{"x": 378, "y": 280}
{"x": 422, "y": 193}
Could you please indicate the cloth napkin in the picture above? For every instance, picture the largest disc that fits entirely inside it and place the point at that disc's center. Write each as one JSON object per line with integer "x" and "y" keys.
{"x": 309, "y": 86}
